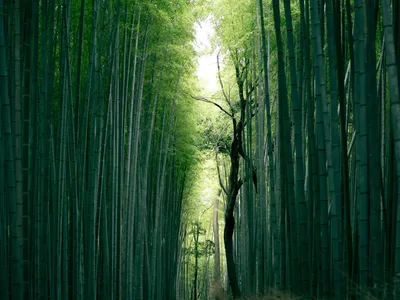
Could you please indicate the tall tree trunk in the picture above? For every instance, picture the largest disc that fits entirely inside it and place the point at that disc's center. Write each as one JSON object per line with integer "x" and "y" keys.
{"x": 391, "y": 63}
{"x": 270, "y": 148}
{"x": 234, "y": 185}
{"x": 217, "y": 264}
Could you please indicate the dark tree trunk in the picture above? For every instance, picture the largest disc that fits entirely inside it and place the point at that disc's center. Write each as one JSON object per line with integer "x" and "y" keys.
{"x": 233, "y": 190}
{"x": 232, "y": 277}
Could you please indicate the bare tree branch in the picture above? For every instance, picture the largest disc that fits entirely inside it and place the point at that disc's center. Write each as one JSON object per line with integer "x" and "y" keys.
{"x": 212, "y": 102}
{"x": 222, "y": 85}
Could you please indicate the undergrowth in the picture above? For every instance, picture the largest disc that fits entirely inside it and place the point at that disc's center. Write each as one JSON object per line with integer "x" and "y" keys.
{"x": 218, "y": 292}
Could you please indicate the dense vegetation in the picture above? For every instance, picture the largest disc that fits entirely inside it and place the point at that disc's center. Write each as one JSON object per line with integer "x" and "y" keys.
{"x": 113, "y": 162}
{"x": 95, "y": 147}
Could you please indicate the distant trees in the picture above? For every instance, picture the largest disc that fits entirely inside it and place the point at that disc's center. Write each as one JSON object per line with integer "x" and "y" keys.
{"x": 200, "y": 248}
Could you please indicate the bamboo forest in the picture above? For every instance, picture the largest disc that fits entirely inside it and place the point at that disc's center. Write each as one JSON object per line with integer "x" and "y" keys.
{"x": 199, "y": 149}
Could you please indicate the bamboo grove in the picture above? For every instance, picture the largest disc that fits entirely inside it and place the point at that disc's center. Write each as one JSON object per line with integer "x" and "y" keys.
{"x": 94, "y": 147}
{"x": 98, "y": 142}
{"x": 314, "y": 85}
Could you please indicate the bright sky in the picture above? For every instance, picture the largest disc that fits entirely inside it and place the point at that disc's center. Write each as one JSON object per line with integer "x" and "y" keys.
{"x": 207, "y": 66}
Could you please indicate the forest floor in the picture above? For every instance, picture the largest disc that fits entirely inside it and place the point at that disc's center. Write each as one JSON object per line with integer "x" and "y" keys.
{"x": 218, "y": 292}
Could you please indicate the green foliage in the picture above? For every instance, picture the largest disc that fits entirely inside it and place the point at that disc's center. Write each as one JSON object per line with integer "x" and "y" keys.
{"x": 214, "y": 135}
{"x": 201, "y": 246}
{"x": 235, "y": 23}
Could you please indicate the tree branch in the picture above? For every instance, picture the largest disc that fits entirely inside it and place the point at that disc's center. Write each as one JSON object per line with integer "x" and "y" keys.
{"x": 252, "y": 87}
{"x": 212, "y": 102}
{"x": 222, "y": 85}
{"x": 246, "y": 64}
{"x": 219, "y": 174}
